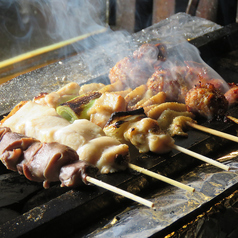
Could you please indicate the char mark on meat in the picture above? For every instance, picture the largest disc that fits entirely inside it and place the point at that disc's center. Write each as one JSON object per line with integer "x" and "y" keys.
{"x": 206, "y": 101}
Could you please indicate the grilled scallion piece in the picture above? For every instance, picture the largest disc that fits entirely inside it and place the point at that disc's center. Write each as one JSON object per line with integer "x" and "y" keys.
{"x": 78, "y": 107}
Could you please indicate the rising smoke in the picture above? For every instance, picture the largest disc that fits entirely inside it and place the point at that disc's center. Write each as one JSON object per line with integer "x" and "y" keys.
{"x": 29, "y": 24}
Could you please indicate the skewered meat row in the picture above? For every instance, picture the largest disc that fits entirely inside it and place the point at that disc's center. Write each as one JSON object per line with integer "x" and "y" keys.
{"x": 175, "y": 76}
{"x": 142, "y": 132}
{"x": 53, "y": 99}
{"x": 98, "y": 107}
{"x": 58, "y": 131}
{"x": 162, "y": 72}
{"x": 44, "y": 124}
{"x": 89, "y": 140}
{"x": 43, "y": 162}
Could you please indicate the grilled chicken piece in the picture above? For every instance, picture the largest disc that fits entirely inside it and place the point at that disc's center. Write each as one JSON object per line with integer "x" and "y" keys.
{"x": 53, "y": 99}
{"x": 206, "y": 101}
{"x": 153, "y": 100}
{"x": 137, "y": 129}
{"x": 90, "y": 87}
{"x": 155, "y": 111}
{"x": 170, "y": 82}
{"x": 141, "y": 96}
{"x": 134, "y": 70}
{"x": 28, "y": 112}
{"x": 106, "y": 153}
{"x": 77, "y": 134}
{"x": 53, "y": 128}
{"x": 113, "y": 87}
{"x": 232, "y": 94}
{"x": 174, "y": 122}
{"x": 133, "y": 97}
{"x": 104, "y": 106}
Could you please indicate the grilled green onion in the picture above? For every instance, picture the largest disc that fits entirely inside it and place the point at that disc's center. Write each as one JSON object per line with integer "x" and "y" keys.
{"x": 78, "y": 107}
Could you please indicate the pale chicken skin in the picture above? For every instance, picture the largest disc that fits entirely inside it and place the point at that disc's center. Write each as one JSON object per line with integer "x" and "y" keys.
{"x": 175, "y": 122}
{"x": 140, "y": 131}
{"x": 101, "y": 153}
{"x": 64, "y": 94}
{"x": 44, "y": 124}
{"x": 104, "y": 106}
{"x": 145, "y": 135}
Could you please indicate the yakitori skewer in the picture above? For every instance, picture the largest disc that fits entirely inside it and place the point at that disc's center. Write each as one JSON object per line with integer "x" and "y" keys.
{"x": 214, "y": 132}
{"x": 51, "y": 162}
{"x": 201, "y": 157}
{"x": 161, "y": 177}
{"x": 233, "y": 119}
{"x": 45, "y": 49}
{"x": 120, "y": 191}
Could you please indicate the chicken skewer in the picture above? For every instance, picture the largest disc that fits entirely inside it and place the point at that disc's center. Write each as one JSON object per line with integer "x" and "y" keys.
{"x": 51, "y": 162}
{"x": 138, "y": 128}
{"x": 129, "y": 128}
{"x": 129, "y": 133}
{"x": 233, "y": 119}
{"x": 215, "y": 104}
{"x": 178, "y": 110}
{"x": 105, "y": 152}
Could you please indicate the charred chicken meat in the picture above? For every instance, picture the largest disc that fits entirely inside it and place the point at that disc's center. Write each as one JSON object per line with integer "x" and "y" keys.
{"x": 206, "y": 101}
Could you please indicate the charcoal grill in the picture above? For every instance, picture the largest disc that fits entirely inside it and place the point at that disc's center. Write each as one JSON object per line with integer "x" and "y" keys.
{"x": 87, "y": 211}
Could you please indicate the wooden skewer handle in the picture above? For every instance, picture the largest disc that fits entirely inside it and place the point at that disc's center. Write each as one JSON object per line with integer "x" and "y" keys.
{"x": 46, "y": 49}
{"x": 120, "y": 191}
{"x": 161, "y": 177}
{"x": 213, "y": 132}
{"x": 201, "y": 157}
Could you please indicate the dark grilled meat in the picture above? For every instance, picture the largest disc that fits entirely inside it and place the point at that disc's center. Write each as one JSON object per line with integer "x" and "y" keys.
{"x": 206, "y": 101}
{"x": 136, "y": 69}
{"x": 170, "y": 82}
{"x": 42, "y": 162}
{"x": 232, "y": 94}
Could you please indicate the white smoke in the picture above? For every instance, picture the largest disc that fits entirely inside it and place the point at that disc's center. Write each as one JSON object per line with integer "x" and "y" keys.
{"x": 28, "y": 24}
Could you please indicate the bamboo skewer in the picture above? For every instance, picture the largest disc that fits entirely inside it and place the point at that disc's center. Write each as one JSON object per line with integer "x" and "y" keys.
{"x": 233, "y": 119}
{"x": 213, "y": 132}
{"x": 46, "y": 49}
{"x": 201, "y": 157}
{"x": 161, "y": 177}
{"x": 120, "y": 192}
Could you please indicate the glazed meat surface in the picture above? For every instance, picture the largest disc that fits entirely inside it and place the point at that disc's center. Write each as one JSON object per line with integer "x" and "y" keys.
{"x": 206, "y": 101}
{"x": 232, "y": 94}
{"x": 170, "y": 82}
